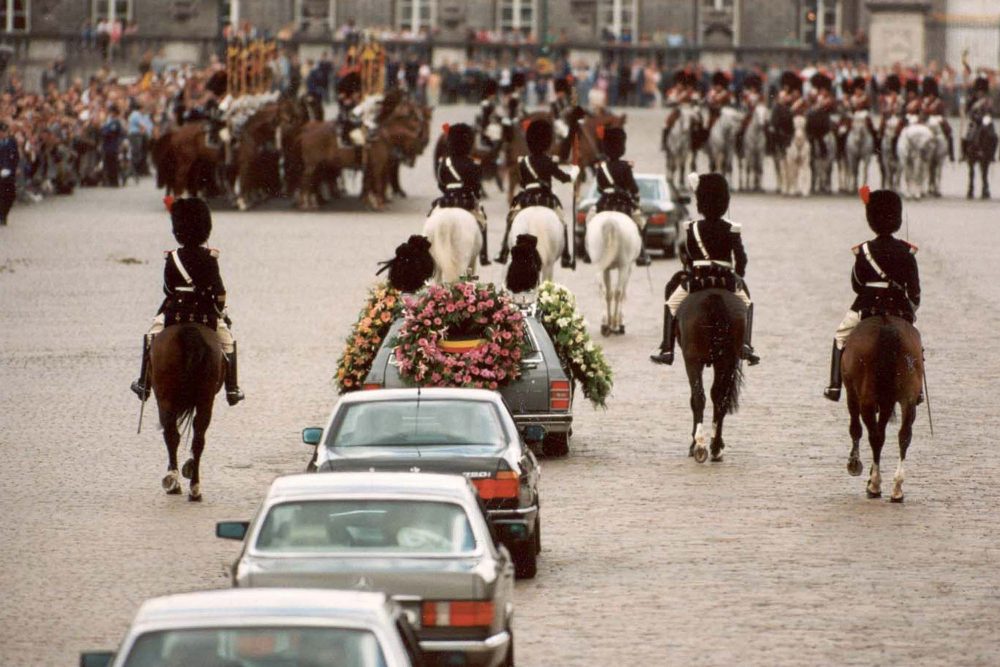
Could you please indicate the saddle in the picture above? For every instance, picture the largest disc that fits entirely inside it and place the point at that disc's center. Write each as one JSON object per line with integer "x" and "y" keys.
{"x": 712, "y": 276}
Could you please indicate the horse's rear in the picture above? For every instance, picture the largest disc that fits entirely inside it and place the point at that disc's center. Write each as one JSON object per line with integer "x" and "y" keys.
{"x": 711, "y": 324}
{"x": 613, "y": 243}
{"x": 187, "y": 372}
{"x": 882, "y": 365}
{"x": 542, "y": 223}
{"x": 455, "y": 243}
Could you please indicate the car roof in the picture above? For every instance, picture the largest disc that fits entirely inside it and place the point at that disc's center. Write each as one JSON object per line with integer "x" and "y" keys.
{"x": 375, "y": 483}
{"x": 430, "y": 393}
{"x": 185, "y": 609}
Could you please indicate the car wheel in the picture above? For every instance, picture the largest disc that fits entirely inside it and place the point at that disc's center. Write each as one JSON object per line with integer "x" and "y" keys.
{"x": 525, "y": 560}
{"x": 556, "y": 444}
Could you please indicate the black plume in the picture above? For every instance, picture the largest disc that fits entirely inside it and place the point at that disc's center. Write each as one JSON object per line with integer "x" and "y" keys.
{"x": 525, "y": 264}
{"x": 412, "y": 266}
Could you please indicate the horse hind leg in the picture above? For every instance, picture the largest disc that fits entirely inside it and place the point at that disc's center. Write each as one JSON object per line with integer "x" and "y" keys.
{"x": 905, "y": 435}
{"x": 875, "y": 421}
{"x": 697, "y": 448}
{"x": 854, "y": 466}
{"x": 192, "y": 467}
{"x": 172, "y": 438}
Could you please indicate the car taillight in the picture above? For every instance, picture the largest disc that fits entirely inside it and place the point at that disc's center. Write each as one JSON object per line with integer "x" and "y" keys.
{"x": 559, "y": 395}
{"x": 506, "y": 484}
{"x": 371, "y": 385}
{"x": 457, "y": 614}
{"x": 658, "y": 219}
{"x": 581, "y": 218}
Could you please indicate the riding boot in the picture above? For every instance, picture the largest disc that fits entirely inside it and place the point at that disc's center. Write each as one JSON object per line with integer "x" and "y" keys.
{"x": 748, "y": 351}
{"x": 141, "y": 386}
{"x": 484, "y": 257}
{"x": 567, "y": 259}
{"x": 643, "y": 258}
{"x": 951, "y": 147}
{"x": 233, "y": 392}
{"x": 505, "y": 245}
{"x": 584, "y": 255}
{"x": 833, "y": 391}
{"x": 665, "y": 355}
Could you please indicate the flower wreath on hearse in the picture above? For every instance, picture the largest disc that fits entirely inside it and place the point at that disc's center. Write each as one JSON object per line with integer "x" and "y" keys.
{"x": 383, "y": 306}
{"x": 465, "y": 334}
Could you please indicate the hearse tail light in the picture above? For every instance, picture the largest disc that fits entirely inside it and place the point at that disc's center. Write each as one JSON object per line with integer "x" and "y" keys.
{"x": 505, "y": 484}
{"x": 559, "y": 395}
{"x": 371, "y": 385}
{"x": 658, "y": 219}
{"x": 457, "y": 613}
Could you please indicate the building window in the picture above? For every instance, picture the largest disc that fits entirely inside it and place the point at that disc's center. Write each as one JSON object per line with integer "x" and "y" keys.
{"x": 720, "y": 21}
{"x": 15, "y": 15}
{"x": 822, "y": 22}
{"x": 516, "y": 16}
{"x": 620, "y": 18}
{"x": 416, "y": 16}
{"x": 316, "y": 14}
{"x": 116, "y": 10}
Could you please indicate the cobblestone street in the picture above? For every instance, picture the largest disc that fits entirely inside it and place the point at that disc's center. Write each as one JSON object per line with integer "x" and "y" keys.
{"x": 774, "y": 557}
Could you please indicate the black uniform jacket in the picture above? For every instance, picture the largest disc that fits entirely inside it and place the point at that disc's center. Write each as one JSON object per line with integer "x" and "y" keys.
{"x": 885, "y": 278}
{"x": 192, "y": 297}
{"x": 619, "y": 191}
{"x": 537, "y": 172}
{"x": 9, "y": 157}
{"x": 460, "y": 181}
{"x": 713, "y": 253}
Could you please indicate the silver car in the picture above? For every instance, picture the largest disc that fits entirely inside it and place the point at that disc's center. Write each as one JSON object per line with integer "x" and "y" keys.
{"x": 251, "y": 628}
{"x": 420, "y": 538}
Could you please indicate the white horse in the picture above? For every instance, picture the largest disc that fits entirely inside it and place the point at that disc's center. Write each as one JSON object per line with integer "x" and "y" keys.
{"x": 938, "y": 156}
{"x": 542, "y": 223}
{"x": 678, "y": 145}
{"x": 722, "y": 141}
{"x": 860, "y": 148}
{"x": 890, "y": 159}
{"x": 915, "y": 149}
{"x": 455, "y": 243}
{"x": 796, "y": 169}
{"x": 754, "y": 147}
{"x": 613, "y": 243}
{"x": 822, "y": 167}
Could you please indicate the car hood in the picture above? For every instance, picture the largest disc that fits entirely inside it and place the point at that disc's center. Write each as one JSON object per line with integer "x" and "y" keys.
{"x": 458, "y": 578}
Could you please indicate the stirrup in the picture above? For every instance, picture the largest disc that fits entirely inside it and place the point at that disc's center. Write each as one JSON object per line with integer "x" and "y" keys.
{"x": 665, "y": 357}
{"x": 750, "y": 356}
{"x": 140, "y": 390}
{"x": 234, "y": 396}
{"x": 832, "y": 393}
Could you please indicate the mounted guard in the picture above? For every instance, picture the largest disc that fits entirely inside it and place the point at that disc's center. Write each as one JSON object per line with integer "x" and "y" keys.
{"x": 718, "y": 97}
{"x": 460, "y": 180}
{"x": 488, "y": 120}
{"x": 885, "y": 276}
{"x": 750, "y": 97}
{"x": 684, "y": 91}
{"x": 536, "y": 171}
{"x": 822, "y": 104}
{"x": 713, "y": 257}
{"x": 194, "y": 291}
{"x": 932, "y": 106}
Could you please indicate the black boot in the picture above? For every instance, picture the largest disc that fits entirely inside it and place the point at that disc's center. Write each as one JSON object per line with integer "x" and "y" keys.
{"x": 665, "y": 355}
{"x": 505, "y": 246}
{"x": 484, "y": 256}
{"x": 643, "y": 258}
{"x": 567, "y": 260}
{"x": 583, "y": 254}
{"x": 748, "y": 353}
{"x": 833, "y": 391}
{"x": 141, "y": 386}
{"x": 233, "y": 392}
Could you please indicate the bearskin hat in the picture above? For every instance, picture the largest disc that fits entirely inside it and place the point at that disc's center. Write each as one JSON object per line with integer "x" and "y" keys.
{"x": 892, "y": 83}
{"x": 561, "y": 85}
{"x": 712, "y": 195}
{"x": 412, "y": 266}
{"x": 525, "y": 264}
{"x": 847, "y": 86}
{"x": 820, "y": 81}
{"x": 539, "y": 136}
{"x": 614, "y": 142}
{"x": 720, "y": 79}
{"x": 460, "y": 140}
{"x": 930, "y": 86}
{"x": 218, "y": 83}
{"x": 884, "y": 211}
{"x": 191, "y": 221}
{"x": 490, "y": 88}
{"x": 912, "y": 86}
{"x": 349, "y": 83}
{"x": 518, "y": 80}
{"x": 981, "y": 84}
{"x": 860, "y": 83}
{"x": 791, "y": 81}
{"x": 753, "y": 82}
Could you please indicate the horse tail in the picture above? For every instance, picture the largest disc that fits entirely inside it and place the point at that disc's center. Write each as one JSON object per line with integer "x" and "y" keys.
{"x": 196, "y": 370}
{"x": 609, "y": 240}
{"x": 723, "y": 347}
{"x": 890, "y": 347}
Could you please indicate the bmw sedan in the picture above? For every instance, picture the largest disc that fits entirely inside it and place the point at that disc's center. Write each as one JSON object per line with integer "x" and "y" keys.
{"x": 259, "y": 628}
{"x": 468, "y": 432}
{"x": 421, "y": 539}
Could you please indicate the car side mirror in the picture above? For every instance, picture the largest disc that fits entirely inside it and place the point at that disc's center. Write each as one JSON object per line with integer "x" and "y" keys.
{"x": 96, "y": 658}
{"x": 312, "y": 435}
{"x": 232, "y": 530}
{"x": 684, "y": 199}
{"x": 534, "y": 434}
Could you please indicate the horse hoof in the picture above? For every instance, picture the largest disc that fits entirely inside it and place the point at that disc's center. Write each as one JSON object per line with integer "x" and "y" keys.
{"x": 188, "y": 468}
{"x": 194, "y": 498}
{"x": 700, "y": 454}
{"x": 717, "y": 458}
{"x": 894, "y": 499}
{"x": 605, "y": 330}
{"x": 170, "y": 483}
{"x": 621, "y": 330}
{"x": 873, "y": 494}
{"x": 854, "y": 467}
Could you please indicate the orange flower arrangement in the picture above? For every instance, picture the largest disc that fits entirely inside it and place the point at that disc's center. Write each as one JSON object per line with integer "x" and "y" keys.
{"x": 384, "y": 304}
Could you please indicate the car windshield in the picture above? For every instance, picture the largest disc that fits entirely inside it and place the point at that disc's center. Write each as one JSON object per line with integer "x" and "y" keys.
{"x": 257, "y": 647}
{"x": 417, "y": 423}
{"x": 384, "y": 526}
{"x": 649, "y": 189}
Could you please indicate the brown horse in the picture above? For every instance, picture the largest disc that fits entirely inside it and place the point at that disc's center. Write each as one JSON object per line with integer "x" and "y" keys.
{"x": 184, "y": 160}
{"x": 710, "y": 324}
{"x": 259, "y": 149}
{"x": 187, "y": 371}
{"x": 882, "y": 365}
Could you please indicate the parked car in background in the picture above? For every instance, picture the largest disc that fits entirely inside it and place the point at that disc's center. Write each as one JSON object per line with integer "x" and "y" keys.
{"x": 467, "y": 432}
{"x": 664, "y": 208}
{"x": 543, "y": 395}
{"x": 420, "y": 538}
{"x": 251, "y": 628}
